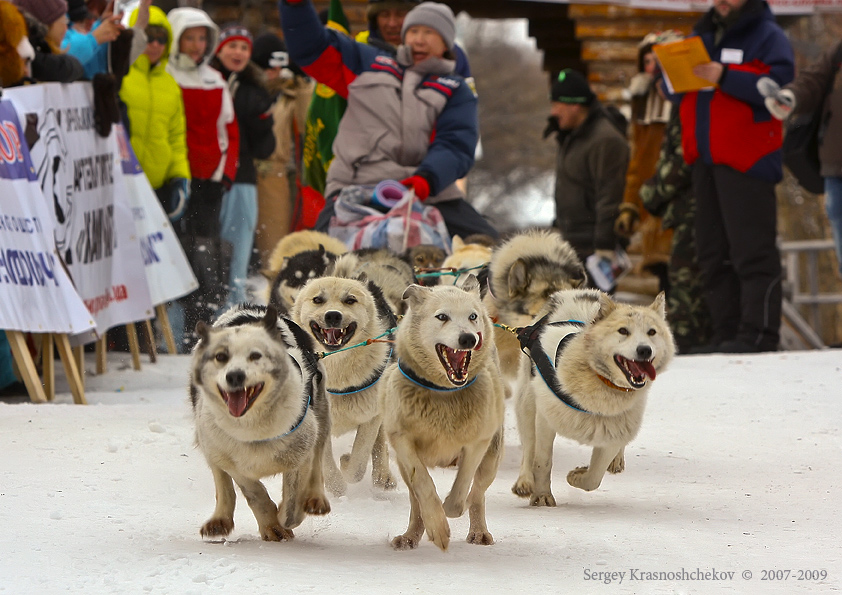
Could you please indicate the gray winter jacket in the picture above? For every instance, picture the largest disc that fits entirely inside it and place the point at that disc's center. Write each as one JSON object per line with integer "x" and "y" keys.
{"x": 590, "y": 180}
{"x": 809, "y": 87}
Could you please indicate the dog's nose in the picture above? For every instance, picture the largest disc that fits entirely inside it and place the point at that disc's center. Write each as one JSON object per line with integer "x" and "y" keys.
{"x": 333, "y": 319}
{"x": 467, "y": 341}
{"x": 644, "y": 352}
{"x": 235, "y": 378}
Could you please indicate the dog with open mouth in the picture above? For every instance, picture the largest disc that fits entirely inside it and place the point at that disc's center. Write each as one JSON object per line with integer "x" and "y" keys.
{"x": 591, "y": 364}
{"x": 442, "y": 401}
{"x": 259, "y": 406}
{"x": 339, "y": 314}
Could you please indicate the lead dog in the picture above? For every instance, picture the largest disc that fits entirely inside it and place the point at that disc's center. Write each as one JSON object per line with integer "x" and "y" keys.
{"x": 592, "y": 364}
{"x": 339, "y": 313}
{"x": 442, "y": 401}
{"x": 260, "y": 409}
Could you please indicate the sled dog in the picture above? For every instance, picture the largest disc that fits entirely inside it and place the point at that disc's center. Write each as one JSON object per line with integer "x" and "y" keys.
{"x": 591, "y": 364}
{"x": 295, "y": 272}
{"x": 466, "y": 256}
{"x": 339, "y": 313}
{"x": 391, "y": 273}
{"x": 524, "y": 272}
{"x": 300, "y": 241}
{"x": 259, "y": 407}
{"x": 442, "y": 401}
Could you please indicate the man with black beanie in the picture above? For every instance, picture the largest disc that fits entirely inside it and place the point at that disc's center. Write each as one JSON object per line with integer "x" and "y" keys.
{"x": 593, "y": 156}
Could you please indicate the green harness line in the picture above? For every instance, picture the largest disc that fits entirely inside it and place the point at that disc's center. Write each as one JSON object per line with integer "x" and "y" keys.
{"x": 446, "y": 272}
{"x": 324, "y": 354}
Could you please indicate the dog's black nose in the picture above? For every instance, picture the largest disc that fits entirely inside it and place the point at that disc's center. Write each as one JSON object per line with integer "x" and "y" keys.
{"x": 467, "y": 341}
{"x": 235, "y": 378}
{"x": 333, "y": 319}
{"x": 644, "y": 352}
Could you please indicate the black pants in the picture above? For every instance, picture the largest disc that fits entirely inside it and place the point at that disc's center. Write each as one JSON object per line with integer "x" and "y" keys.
{"x": 736, "y": 228}
{"x": 459, "y": 216}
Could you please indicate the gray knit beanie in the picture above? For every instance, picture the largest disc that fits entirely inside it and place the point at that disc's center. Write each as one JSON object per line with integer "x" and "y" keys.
{"x": 435, "y": 16}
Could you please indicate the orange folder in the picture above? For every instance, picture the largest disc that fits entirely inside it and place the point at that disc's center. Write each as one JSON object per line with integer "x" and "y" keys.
{"x": 677, "y": 59}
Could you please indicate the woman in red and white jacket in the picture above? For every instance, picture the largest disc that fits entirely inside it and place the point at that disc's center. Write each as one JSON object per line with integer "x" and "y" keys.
{"x": 212, "y": 150}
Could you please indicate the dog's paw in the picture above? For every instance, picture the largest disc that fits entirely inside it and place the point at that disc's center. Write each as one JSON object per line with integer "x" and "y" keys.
{"x": 404, "y": 542}
{"x": 276, "y": 533}
{"x": 384, "y": 481}
{"x": 618, "y": 465}
{"x": 453, "y": 508}
{"x": 523, "y": 488}
{"x": 336, "y": 485}
{"x": 352, "y": 475}
{"x": 217, "y": 528}
{"x": 579, "y": 478}
{"x": 480, "y": 538}
{"x": 542, "y": 500}
{"x": 317, "y": 505}
{"x": 439, "y": 532}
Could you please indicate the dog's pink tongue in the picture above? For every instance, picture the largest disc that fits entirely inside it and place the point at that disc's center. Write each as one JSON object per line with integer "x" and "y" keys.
{"x": 237, "y": 402}
{"x": 333, "y": 335}
{"x": 645, "y": 368}
{"x": 457, "y": 359}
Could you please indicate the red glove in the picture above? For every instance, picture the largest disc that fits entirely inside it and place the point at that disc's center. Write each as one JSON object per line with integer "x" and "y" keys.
{"x": 419, "y": 184}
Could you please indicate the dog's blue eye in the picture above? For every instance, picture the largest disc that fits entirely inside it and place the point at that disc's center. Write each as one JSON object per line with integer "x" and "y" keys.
{"x": 442, "y": 317}
{"x": 472, "y": 316}
{"x": 624, "y": 331}
{"x": 221, "y": 357}
{"x": 254, "y": 356}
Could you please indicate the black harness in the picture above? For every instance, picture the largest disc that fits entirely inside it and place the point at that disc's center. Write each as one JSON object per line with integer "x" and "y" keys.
{"x": 530, "y": 344}
{"x": 368, "y": 383}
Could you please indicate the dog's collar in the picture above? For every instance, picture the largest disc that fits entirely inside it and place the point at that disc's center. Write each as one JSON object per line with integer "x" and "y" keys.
{"x": 295, "y": 426}
{"x": 424, "y": 383}
{"x": 528, "y": 337}
{"x": 368, "y": 383}
{"x": 612, "y": 385}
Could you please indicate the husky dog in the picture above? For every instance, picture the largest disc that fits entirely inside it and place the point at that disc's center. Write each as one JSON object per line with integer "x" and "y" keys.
{"x": 424, "y": 256}
{"x": 524, "y": 272}
{"x": 339, "y": 313}
{"x": 467, "y": 256}
{"x": 300, "y": 241}
{"x": 295, "y": 272}
{"x": 260, "y": 409}
{"x": 593, "y": 362}
{"x": 442, "y": 401}
{"x": 391, "y": 273}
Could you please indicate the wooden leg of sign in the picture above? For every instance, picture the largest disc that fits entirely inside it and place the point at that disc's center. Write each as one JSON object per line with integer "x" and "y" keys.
{"x": 134, "y": 345}
{"x": 101, "y": 353}
{"x": 70, "y": 369}
{"x": 26, "y": 366}
{"x": 79, "y": 356}
{"x": 161, "y": 312}
{"x": 149, "y": 341}
{"x": 48, "y": 366}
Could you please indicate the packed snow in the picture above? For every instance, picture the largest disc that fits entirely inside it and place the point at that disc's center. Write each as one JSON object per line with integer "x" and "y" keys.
{"x": 733, "y": 479}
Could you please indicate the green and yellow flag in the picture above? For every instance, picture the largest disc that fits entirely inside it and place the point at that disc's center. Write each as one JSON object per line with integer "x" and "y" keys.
{"x": 326, "y": 109}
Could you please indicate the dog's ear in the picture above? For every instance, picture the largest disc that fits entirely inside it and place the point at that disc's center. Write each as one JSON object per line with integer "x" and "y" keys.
{"x": 457, "y": 243}
{"x": 414, "y": 294}
{"x": 471, "y": 284}
{"x": 270, "y": 320}
{"x": 203, "y": 330}
{"x": 606, "y": 306}
{"x": 577, "y": 275}
{"x": 660, "y": 305}
{"x": 518, "y": 278}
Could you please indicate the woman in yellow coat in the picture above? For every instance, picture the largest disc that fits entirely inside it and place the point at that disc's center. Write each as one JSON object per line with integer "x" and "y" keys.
{"x": 156, "y": 117}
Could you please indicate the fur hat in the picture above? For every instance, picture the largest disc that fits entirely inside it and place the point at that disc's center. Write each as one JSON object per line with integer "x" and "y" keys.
{"x": 12, "y": 33}
{"x": 436, "y": 16}
{"x": 46, "y": 11}
{"x": 232, "y": 32}
{"x": 571, "y": 87}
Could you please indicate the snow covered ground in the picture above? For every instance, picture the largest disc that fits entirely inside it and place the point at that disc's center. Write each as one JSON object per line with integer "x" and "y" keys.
{"x": 735, "y": 475}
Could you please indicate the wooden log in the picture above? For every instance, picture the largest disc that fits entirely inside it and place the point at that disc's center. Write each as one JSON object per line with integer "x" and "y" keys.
{"x": 74, "y": 379}
{"x": 101, "y": 354}
{"x": 26, "y": 367}
{"x": 48, "y": 366}
{"x": 79, "y": 355}
{"x": 149, "y": 341}
{"x": 605, "y": 50}
{"x": 134, "y": 346}
{"x": 164, "y": 319}
{"x": 635, "y": 29}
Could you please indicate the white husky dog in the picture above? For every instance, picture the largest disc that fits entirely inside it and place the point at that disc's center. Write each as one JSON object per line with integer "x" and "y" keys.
{"x": 339, "y": 313}
{"x": 260, "y": 409}
{"x": 591, "y": 364}
{"x": 442, "y": 402}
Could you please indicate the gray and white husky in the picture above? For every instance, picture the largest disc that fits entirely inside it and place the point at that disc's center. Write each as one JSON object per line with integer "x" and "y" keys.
{"x": 259, "y": 407}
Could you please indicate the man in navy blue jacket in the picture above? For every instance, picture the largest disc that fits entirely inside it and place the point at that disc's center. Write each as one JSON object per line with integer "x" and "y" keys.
{"x": 733, "y": 144}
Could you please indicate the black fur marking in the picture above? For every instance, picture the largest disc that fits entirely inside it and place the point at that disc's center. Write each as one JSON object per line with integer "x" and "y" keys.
{"x": 382, "y": 306}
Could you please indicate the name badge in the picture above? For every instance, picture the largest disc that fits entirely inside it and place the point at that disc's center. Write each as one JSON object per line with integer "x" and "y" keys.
{"x": 731, "y": 56}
